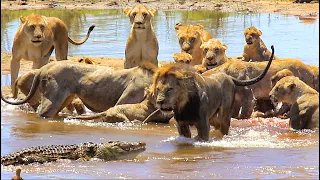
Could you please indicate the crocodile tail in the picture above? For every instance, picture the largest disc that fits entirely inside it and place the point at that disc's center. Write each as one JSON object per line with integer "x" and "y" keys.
{"x": 34, "y": 87}
{"x": 258, "y": 78}
{"x": 87, "y": 36}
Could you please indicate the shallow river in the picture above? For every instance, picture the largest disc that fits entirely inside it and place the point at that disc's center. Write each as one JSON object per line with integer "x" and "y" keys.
{"x": 262, "y": 151}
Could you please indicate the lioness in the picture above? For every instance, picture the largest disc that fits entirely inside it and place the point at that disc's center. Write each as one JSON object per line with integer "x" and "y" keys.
{"x": 195, "y": 99}
{"x": 247, "y": 70}
{"x": 304, "y": 112}
{"x": 190, "y": 39}
{"x": 96, "y": 86}
{"x": 128, "y": 112}
{"x": 35, "y": 40}
{"x": 213, "y": 53}
{"x": 255, "y": 49}
{"x": 315, "y": 70}
{"x": 182, "y": 57}
{"x": 142, "y": 44}
{"x": 24, "y": 83}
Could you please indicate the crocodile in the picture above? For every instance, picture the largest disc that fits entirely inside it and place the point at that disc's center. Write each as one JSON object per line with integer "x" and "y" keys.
{"x": 109, "y": 151}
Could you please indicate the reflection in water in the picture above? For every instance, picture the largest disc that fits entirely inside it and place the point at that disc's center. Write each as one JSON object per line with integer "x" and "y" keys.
{"x": 109, "y": 37}
{"x": 247, "y": 152}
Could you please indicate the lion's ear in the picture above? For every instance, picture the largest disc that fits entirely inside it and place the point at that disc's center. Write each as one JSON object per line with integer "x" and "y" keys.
{"x": 200, "y": 25}
{"x": 225, "y": 47}
{"x": 292, "y": 86}
{"x": 152, "y": 11}
{"x": 127, "y": 11}
{"x": 178, "y": 26}
{"x": 23, "y": 19}
{"x": 259, "y": 33}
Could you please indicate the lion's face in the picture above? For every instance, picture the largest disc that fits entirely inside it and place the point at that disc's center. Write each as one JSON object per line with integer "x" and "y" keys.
{"x": 213, "y": 53}
{"x": 171, "y": 86}
{"x": 182, "y": 58}
{"x": 34, "y": 26}
{"x": 189, "y": 36}
{"x": 252, "y": 35}
{"x": 284, "y": 90}
{"x": 140, "y": 16}
{"x": 166, "y": 93}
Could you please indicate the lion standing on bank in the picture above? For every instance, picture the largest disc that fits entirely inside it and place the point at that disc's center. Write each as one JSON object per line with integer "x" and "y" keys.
{"x": 35, "y": 40}
{"x": 142, "y": 44}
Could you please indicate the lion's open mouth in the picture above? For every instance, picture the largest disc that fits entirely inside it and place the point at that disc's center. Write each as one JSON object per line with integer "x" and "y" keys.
{"x": 166, "y": 109}
{"x": 249, "y": 42}
{"x": 210, "y": 65}
{"x": 37, "y": 41}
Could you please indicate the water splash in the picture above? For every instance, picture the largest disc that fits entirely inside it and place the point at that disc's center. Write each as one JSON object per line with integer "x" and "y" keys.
{"x": 253, "y": 137}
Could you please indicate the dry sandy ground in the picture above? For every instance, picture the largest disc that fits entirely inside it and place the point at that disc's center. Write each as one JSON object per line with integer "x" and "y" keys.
{"x": 270, "y": 6}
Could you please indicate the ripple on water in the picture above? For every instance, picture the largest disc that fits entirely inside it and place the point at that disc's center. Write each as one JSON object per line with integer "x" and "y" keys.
{"x": 254, "y": 137}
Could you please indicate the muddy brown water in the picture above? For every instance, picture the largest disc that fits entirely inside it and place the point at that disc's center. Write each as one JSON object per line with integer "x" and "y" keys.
{"x": 262, "y": 151}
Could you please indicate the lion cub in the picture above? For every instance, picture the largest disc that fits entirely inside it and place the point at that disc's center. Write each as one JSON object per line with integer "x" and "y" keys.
{"x": 255, "y": 49}
{"x": 186, "y": 58}
{"x": 190, "y": 39}
{"x": 142, "y": 44}
{"x": 304, "y": 112}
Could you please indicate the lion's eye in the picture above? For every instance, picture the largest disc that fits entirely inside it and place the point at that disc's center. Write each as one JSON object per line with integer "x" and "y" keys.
{"x": 145, "y": 14}
{"x": 32, "y": 26}
{"x": 192, "y": 40}
{"x": 169, "y": 90}
{"x": 216, "y": 50}
{"x": 134, "y": 14}
{"x": 205, "y": 50}
{"x": 181, "y": 40}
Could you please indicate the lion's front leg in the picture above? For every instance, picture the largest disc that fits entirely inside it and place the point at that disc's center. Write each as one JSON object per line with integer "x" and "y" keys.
{"x": 183, "y": 129}
{"x": 203, "y": 128}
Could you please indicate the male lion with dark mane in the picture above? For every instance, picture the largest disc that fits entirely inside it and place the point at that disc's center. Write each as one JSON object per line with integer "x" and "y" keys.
{"x": 197, "y": 100}
{"x": 35, "y": 40}
{"x": 97, "y": 87}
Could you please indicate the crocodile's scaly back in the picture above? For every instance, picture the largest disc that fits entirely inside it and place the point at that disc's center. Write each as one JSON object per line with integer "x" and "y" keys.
{"x": 112, "y": 150}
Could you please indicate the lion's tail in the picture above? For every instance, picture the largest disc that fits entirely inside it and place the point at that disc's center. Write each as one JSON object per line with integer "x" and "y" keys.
{"x": 15, "y": 89}
{"x": 258, "y": 78}
{"x": 34, "y": 87}
{"x": 87, "y": 36}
